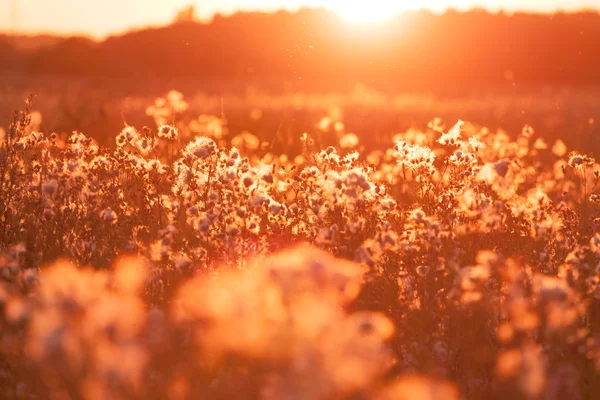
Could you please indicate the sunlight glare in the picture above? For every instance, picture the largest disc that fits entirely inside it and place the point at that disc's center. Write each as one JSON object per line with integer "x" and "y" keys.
{"x": 367, "y": 11}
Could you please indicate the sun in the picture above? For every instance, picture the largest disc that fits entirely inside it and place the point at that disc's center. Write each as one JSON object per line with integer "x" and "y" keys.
{"x": 367, "y": 11}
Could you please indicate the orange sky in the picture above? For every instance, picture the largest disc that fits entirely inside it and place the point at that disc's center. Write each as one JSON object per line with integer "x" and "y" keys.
{"x": 101, "y": 17}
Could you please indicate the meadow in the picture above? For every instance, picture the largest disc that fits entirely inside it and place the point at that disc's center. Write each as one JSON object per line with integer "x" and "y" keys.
{"x": 301, "y": 247}
{"x": 406, "y": 209}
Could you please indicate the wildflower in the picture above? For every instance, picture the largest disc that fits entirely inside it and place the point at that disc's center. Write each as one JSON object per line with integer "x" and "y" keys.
{"x": 418, "y": 159}
{"x": 475, "y": 143}
{"x": 559, "y": 148}
{"x": 527, "y": 131}
{"x": 501, "y": 167}
{"x": 526, "y": 365}
{"x": 461, "y": 159}
{"x": 108, "y": 215}
{"x": 246, "y": 140}
{"x": 437, "y": 125}
{"x": 540, "y": 144}
{"x": 576, "y": 160}
{"x": 176, "y": 101}
{"x": 168, "y": 132}
{"x": 121, "y": 140}
{"x": 247, "y": 181}
{"x": 452, "y": 138}
{"x": 201, "y": 148}
{"x": 349, "y": 141}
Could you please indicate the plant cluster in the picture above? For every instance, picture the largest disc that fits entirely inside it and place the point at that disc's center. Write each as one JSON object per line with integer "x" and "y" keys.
{"x": 459, "y": 262}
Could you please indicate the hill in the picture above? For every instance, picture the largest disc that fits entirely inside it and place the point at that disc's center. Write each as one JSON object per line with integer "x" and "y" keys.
{"x": 315, "y": 48}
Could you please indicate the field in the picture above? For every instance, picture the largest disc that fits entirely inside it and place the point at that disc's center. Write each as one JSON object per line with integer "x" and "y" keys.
{"x": 283, "y": 206}
{"x": 449, "y": 261}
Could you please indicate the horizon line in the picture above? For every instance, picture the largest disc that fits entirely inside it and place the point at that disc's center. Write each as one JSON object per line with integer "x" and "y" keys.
{"x": 207, "y": 20}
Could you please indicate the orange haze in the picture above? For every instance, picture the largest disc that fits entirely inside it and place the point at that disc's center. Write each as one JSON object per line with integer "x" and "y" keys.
{"x": 99, "y": 18}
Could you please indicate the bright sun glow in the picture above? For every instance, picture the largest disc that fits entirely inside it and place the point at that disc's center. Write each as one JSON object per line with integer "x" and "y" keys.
{"x": 368, "y": 11}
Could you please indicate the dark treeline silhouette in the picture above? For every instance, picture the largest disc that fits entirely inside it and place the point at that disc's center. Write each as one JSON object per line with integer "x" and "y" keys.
{"x": 313, "y": 47}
